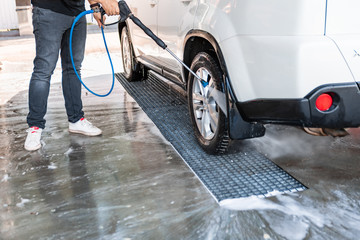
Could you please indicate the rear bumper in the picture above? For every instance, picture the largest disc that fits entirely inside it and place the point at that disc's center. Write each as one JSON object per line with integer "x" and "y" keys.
{"x": 345, "y": 111}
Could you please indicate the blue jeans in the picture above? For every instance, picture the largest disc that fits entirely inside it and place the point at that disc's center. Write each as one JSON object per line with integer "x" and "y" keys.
{"x": 52, "y": 31}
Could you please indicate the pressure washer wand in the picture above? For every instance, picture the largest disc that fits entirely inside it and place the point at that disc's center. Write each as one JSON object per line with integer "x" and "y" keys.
{"x": 125, "y": 13}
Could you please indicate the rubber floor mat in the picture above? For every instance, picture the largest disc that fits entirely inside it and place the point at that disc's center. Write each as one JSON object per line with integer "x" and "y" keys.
{"x": 229, "y": 176}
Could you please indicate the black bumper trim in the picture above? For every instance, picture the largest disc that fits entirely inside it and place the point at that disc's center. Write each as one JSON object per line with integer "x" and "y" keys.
{"x": 345, "y": 111}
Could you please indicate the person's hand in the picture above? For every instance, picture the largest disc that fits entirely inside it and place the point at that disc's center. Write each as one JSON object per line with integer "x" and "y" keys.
{"x": 111, "y": 7}
{"x": 97, "y": 17}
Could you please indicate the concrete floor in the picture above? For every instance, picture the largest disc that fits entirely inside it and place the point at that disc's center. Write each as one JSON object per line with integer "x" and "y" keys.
{"x": 129, "y": 183}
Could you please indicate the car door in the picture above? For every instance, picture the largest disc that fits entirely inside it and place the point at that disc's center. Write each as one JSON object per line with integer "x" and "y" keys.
{"x": 146, "y": 10}
{"x": 343, "y": 27}
{"x": 175, "y": 19}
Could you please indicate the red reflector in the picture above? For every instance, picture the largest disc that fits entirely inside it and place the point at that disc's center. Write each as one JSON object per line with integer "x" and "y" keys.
{"x": 324, "y": 102}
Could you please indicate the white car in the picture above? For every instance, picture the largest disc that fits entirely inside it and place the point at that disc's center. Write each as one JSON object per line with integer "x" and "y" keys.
{"x": 261, "y": 61}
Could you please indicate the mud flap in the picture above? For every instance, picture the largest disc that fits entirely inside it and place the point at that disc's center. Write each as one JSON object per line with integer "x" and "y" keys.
{"x": 238, "y": 127}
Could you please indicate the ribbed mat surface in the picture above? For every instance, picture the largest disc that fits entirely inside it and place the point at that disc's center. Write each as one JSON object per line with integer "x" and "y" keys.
{"x": 229, "y": 176}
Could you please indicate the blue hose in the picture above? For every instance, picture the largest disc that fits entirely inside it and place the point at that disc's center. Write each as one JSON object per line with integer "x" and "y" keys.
{"x": 72, "y": 60}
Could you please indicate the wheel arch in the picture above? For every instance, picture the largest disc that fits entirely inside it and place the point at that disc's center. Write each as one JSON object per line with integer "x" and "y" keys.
{"x": 200, "y": 41}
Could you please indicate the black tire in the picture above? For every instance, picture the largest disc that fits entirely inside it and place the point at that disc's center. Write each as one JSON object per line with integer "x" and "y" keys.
{"x": 133, "y": 70}
{"x": 208, "y": 120}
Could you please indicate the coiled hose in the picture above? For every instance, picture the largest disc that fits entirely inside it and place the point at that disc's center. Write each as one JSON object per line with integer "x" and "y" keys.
{"x": 72, "y": 60}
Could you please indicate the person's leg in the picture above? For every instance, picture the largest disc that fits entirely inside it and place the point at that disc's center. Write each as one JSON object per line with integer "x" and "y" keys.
{"x": 71, "y": 84}
{"x": 48, "y": 30}
{"x": 48, "y": 35}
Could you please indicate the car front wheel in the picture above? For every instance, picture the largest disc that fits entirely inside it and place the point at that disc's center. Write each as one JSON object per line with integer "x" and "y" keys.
{"x": 209, "y": 121}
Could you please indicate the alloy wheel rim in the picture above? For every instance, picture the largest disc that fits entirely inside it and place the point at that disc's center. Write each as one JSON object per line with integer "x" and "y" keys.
{"x": 204, "y": 105}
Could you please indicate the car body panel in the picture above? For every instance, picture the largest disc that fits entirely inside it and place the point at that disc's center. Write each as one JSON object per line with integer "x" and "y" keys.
{"x": 349, "y": 45}
{"x": 343, "y": 17}
{"x": 173, "y": 27}
{"x": 343, "y": 27}
{"x": 164, "y": 24}
{"x": 257, "y": 29}
{"x": 228, "y": 18}
{"x": 282, "y": 66}
{"x": 144, "y": 46}
{"x": 261, "y": 34}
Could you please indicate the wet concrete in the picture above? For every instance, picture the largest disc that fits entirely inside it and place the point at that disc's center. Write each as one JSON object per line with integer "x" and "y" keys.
{"x": 129, "y": 183}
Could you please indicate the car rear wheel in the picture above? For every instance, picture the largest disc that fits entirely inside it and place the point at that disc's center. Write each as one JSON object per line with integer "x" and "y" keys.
{"x": 133, "y": 70}
{"x": 209, "y": 121}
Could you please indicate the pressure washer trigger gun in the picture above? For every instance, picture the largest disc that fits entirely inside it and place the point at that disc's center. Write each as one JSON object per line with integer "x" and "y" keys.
{"x": 125, "y": 11}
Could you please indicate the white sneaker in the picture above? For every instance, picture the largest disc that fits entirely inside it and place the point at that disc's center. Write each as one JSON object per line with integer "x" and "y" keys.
{"x": 85, "y": 127}
{"x": 32, "y": 141}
